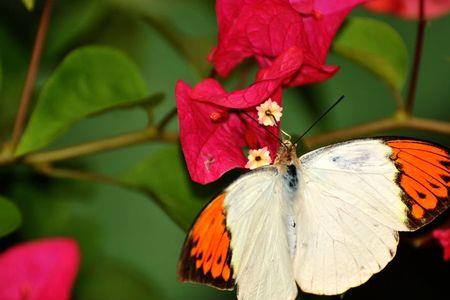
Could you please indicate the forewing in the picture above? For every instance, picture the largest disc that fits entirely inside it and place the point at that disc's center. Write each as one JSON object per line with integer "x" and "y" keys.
{"x": 339, "y": 245}
{"x": 424, "y": 177}
{"x": 259, "y": 216}
{"x": 353, "y": 198}
{"x": 242, "y": 237}
{"x": 206, "y": 254}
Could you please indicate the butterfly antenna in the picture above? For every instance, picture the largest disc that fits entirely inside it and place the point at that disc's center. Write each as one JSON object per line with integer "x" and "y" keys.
{"x": 320, "y": 118}
{"x": 270, "y": 132}
{"x": 287, "y": 135}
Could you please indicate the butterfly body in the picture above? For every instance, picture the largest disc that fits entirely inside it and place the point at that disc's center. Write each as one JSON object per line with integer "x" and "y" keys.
{"x": 326, "y": 221}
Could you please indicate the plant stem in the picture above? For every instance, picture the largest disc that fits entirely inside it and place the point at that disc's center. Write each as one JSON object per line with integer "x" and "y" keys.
{"x": 311, "y": 142}
{"x": 166, "y": 119}
{"x": 377, "y": 127}
{"x": 51, "y": 171}
{"x": 31, "y": 74}
{"x": 417, "y": 58}
{"x": 119, "y": 141}
{"x": 399, "y": 101}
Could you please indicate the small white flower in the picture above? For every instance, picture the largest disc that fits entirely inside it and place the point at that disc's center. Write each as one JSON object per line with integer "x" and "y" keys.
{"x": 258, "y": 158}
{"x": 269, "y": 113}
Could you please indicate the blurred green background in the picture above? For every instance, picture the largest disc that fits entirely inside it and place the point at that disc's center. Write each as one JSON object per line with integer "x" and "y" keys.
{"x": 130, "y": 246}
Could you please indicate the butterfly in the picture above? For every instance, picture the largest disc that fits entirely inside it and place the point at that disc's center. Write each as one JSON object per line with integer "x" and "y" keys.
{"x": 326, "y": 221}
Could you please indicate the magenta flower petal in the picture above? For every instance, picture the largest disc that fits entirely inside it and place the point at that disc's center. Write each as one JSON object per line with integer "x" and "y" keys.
{"x": 39, "y": 270}
{"x": 250, "y": 28}
{"x": 202, "y": 126}
{"x": 266, "y": 29}
{"x": 267, "y": 81}
{"x": 327, "y": 7}
{"x": 213, "y": 136}
{"x": 321, "y": 27}
{"x": 290, "y": 40}
{"x": 409, "y": 9}
{"x": 303, "y": 6}
{"x": 443, "y": 236}
{"x": 313, "y": 73}
{"x": 272, "y": 28}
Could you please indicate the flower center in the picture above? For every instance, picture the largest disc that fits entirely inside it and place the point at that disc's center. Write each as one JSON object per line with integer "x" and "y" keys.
{"x": 25, "y": 291}
{"x": 217, "y": 116}
{"x": 258, "y": 158}
{"x": 317, "y": 14}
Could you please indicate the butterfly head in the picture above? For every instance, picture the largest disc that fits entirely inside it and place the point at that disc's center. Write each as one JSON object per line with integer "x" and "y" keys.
{"x": 287, "y": 154}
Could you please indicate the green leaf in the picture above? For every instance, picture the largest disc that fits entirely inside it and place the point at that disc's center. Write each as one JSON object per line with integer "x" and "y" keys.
{"x": 29, "y": 4}
{"x": 10, "y": 217}
{"x": 89, "y": 80}
{"x": 151, "y": 103}
{"x": 165, "y": 178}
{"x": 1, "y": 75}
{"x": 147, "y": 103}
{"x": 14, "y": 67}
{"x": 376, "y": 46}
{"x": 109, "y": 280}
{"x": 70, "y": 27}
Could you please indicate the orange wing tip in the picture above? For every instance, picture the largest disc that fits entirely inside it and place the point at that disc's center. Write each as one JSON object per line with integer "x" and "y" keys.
{"x": 206, "y": 254}
{"x": 424, "y": 177}
{"x": 417, "y": 211}
{"x": 418, "y": 145}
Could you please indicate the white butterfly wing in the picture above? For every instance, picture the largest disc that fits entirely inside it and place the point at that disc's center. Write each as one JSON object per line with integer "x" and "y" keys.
{"x": 348, "y": 212}
{"x": 329, "y": 231}
{"x": 258, "y": 215}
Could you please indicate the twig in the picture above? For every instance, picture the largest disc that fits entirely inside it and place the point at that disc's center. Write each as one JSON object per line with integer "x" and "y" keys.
{"x": 51, "y": 171}
{"x": 32, "y": 73}
{"x": 417, "y": 58}
{"x": 378, "y": 126}
{"x": 398, "y": 100}
{"x": 152, "y": 134}
{"x": 119, "y": 141}
{"x": 166, "y": 119}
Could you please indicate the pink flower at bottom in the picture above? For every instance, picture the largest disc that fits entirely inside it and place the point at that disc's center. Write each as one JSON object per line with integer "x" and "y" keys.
{"x": 39, "y": 270}
{"x": 443, "y": 236}
{"x": 409, "y": 9}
